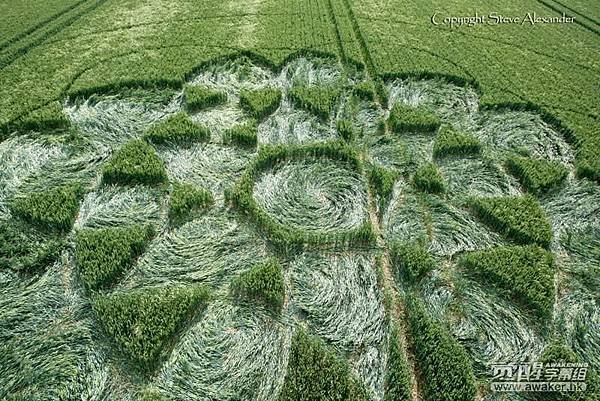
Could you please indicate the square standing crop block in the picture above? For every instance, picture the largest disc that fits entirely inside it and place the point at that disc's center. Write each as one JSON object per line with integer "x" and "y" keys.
{"x": 134, "y": 163}
{"x": 404, "y": 118}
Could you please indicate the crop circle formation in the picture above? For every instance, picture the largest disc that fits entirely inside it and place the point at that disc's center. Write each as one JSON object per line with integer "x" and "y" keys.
{"x": 313, "y": 195}
{"x": 306, "y": 229}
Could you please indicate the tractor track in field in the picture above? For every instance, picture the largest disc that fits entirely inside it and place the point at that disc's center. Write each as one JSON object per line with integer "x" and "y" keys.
{"x": 396, "y": 308}
{"x": 338, "y": 34}
{"x": 557, "y": 9}
{"x": 11, "y": 55}
{"x": 40, "y": 25}
{"x": 578, "y": 13}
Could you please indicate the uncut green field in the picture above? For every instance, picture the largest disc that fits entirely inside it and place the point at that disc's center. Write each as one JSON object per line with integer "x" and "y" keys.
{"x": 295, "y": 200}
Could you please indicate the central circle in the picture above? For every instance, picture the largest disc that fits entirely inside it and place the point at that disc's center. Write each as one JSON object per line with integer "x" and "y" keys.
{"x": 313, "y": 194}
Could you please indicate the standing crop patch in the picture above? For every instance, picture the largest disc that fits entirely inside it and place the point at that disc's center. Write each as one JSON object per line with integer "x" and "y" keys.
{"x": 142, "y": 323}
{"x": 135, "y": 163}
{"x": 346, "y": 130}
{"x": 452, "y": 143}
{"x": 259, "y": 104}
{"x": 150, "y": 394}
{"x": 318, "y": 100}
{"x": 186, "y": 200}
{"x": 404, "y": 118}
{"x": 397, "y": 378}
{"x": 523, "y": 274}
{"x": 177, "y": 129}
{"x": 365, "y": 90}
{"x": 23, "y": 249}
{"x": 519, "y": 218}
{"x": 444, "y": 364}
{"x": 199, "y": 98}
{"x": 263, "y": 283}
{"x": 315, "y": 372}
{"x": 54, "y": 209}
{"x": 537, "y": 175}
{"x": 242, "y": 135}
{"x": 103, "y": 255}
{"x": 411, "y": 261}
{"x": 382, "y": 182}
{"x": 557, "y": 352}
{"x": 428, "y": 178}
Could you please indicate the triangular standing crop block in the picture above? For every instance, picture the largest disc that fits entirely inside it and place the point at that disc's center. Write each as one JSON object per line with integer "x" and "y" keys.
{"x": 143, "y": 323}
{"x": 519, "y": 218}
{"x": 135, "y": 163}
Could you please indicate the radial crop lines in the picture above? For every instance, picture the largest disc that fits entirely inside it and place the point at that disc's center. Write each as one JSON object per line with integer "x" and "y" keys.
{"x": 21, "y": 51}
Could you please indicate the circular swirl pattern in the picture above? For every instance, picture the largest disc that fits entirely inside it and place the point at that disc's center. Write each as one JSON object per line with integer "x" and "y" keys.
{"x": 314, "y": 195}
